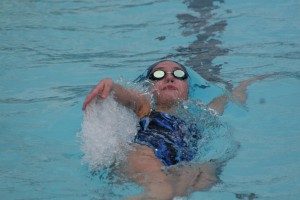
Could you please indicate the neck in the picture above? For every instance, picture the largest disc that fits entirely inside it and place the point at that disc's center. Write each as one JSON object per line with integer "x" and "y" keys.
{"x": 167, "y": 108}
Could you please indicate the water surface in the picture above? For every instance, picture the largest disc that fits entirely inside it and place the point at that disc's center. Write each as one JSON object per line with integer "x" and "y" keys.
{"x": 53, "y": 52}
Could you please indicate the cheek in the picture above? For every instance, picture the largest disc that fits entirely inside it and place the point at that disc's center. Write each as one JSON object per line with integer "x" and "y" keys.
{"x": 157, "y": 87}
{"x": 184, "y": 91}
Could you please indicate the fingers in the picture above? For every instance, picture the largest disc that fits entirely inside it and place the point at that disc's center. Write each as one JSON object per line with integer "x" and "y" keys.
{"x": 103, "y": 89}
{"x": 91, "y": 96}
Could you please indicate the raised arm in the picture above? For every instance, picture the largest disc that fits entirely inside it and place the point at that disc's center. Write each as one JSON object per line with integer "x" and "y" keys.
{"x": 129, "y": 98}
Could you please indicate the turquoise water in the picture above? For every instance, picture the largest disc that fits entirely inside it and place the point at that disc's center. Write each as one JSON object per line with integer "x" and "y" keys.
{"x": 53, "y": 52}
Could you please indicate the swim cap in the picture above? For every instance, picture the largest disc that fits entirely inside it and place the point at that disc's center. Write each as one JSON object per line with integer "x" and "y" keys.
{"x": 146, "y": 74}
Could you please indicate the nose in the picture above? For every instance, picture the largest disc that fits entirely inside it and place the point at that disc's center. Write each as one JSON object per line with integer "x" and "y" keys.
{"x": 169, "y": 78}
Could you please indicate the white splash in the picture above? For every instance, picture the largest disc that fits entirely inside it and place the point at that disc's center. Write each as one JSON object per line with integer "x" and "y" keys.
{"x": 107, "y": 130}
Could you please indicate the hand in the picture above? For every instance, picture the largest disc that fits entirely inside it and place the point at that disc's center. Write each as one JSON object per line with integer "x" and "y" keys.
{"x": 240, "y": 92}
{"x": 102, "y": 90}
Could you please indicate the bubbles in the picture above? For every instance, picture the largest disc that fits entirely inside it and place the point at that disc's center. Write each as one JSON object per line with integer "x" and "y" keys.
{"x": 145, "y": 87}
{"x": 217, "y": 142}
{"x": 107, "y": 130}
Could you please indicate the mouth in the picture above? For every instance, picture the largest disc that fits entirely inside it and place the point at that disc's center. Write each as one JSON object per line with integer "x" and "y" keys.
{"x": 170, "y": 87}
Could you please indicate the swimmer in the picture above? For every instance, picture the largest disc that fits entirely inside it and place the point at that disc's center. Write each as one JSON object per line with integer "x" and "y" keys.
{"x": 160, "y": 159}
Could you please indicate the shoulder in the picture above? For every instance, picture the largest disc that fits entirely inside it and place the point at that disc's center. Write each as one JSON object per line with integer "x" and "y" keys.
{"x": 143, "y": 106}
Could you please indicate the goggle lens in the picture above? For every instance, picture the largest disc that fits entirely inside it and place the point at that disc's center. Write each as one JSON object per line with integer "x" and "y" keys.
{"x": 178, "y": 73}
{"x": 160, "y": 74}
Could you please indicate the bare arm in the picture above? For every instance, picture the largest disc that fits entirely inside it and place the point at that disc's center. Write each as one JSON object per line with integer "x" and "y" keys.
{"x": 129, "y": 98}
{"x": 239, "y": 93}
{"x": 143, "y": 167}
{"x": 162, "y": 182}
{"x": 219, "y": 103}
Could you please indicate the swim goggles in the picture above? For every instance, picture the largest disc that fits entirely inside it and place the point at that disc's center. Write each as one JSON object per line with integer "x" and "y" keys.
{"x": 160, "y": 74}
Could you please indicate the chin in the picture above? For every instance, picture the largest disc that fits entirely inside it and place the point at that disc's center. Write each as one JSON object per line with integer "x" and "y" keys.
{"x": 169, "y": 98}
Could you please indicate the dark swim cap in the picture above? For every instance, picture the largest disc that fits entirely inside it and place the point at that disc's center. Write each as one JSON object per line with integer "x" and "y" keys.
{"x": 146, "y": 74}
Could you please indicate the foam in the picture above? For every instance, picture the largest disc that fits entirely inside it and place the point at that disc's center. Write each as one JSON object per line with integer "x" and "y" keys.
{"x": 107, "y": 130}
{"x": 217, "y": 142}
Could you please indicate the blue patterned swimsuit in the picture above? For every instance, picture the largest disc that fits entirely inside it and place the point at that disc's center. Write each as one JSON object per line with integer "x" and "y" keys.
{"x": 171, "y": 138}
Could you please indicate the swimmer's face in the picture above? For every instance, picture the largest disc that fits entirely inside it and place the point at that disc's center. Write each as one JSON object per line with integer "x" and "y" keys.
{"x": 169, "y": 88}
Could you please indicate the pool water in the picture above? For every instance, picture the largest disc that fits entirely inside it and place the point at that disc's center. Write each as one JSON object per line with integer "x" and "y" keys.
{"x": 52, "y": 53}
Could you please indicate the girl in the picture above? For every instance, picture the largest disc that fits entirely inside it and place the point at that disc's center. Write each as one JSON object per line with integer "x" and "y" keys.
{"x": 164, "y": 143}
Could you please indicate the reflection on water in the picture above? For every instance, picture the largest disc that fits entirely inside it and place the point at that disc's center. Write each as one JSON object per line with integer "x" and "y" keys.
{"x": 201, "y": 52}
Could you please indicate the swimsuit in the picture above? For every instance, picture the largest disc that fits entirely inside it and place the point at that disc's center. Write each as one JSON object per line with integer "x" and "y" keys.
{"x": 171, "y": 138}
